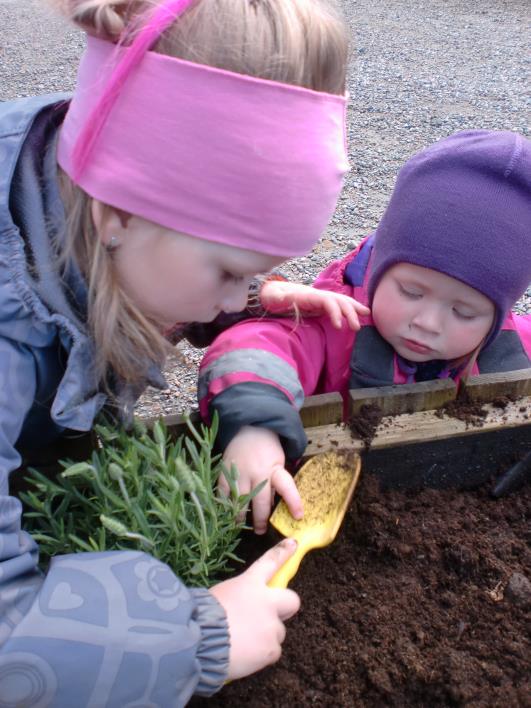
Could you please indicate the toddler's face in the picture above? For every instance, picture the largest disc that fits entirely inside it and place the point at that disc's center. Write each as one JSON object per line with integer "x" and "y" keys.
{"x": 174, "y": 278}
{"x": 427, "y": 315}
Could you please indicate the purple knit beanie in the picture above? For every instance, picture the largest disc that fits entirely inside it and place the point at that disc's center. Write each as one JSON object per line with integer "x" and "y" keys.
{"x": 463, "y": 207}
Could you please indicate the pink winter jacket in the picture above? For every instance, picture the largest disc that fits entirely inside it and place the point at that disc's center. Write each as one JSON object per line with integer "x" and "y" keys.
{"x": 259, "y": 371}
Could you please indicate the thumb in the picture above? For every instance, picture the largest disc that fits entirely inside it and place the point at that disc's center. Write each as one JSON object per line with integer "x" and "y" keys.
{"x": 273, "y": 559}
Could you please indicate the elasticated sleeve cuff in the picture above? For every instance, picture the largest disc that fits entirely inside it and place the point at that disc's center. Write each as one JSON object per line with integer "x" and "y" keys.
{"x": 214, "y": 647}
{"x": 262, "y": 405}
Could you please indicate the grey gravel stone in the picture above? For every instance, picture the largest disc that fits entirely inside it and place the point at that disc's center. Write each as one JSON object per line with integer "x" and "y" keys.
{"x": 420, "y": 70}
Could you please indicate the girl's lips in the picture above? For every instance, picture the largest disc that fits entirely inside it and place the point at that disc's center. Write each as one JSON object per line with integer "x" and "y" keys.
{"x": 416, "y": 346}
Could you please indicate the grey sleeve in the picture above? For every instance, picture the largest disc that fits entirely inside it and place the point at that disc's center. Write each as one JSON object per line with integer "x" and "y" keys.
{"x": 265, "y": 406}
{"x": 213, "y": 649}
{"x": 18, "y": 384}
{"x": 110, "y": 629}
{"x": 100, "y": 629}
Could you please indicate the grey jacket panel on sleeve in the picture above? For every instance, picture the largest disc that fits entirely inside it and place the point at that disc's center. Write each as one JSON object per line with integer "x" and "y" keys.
{"x": 98, "y": 629}
{"x": 112, "y": 629}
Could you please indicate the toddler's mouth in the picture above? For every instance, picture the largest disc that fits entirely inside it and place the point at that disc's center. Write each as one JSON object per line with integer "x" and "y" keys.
{"x": 415, "y": 346}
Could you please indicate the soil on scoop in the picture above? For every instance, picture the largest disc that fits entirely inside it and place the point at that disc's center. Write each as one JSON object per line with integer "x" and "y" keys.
{"x": 424, "y": 599}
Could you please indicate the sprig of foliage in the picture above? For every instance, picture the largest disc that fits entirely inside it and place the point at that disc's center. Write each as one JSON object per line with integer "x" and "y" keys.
{"x": 142, "y": 490}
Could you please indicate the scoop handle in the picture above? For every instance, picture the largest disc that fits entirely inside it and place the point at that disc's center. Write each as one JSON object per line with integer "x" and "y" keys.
{"x": 282, "y": 577}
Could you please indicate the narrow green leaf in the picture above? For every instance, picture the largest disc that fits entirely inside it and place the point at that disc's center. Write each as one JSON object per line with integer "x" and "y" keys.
{"x": 80, "y": 468}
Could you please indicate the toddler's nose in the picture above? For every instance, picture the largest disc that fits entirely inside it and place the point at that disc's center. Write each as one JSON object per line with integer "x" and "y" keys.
{"x": 428, "y": 318}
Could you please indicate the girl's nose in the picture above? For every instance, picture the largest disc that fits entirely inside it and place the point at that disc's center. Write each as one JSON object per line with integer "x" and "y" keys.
{"x": 235, "y": 296}
{"x": 428, "y": 318}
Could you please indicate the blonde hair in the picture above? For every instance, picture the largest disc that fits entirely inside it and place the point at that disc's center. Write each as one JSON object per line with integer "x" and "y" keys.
{"x": 300, "y": 42}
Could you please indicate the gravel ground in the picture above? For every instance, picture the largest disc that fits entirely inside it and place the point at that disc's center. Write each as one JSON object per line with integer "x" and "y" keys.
{"x": 420, "y": 70}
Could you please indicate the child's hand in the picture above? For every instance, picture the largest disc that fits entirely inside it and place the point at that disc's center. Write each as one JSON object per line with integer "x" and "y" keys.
{"x": 256, "y": 613}
{"x": 258, "y": 455}
{"x": 279, "y": 296}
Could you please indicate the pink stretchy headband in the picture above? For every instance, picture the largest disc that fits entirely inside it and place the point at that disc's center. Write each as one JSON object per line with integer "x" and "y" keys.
{"x": 222, "y": 156}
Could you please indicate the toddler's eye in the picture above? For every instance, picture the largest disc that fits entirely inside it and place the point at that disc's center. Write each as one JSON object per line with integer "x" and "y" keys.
{"x": 411, "y": 294}
{"x": 463, "y": 315}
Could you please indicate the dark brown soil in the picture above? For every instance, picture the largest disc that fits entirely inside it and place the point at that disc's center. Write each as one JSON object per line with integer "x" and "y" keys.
{"x": 363, "y": 425}
{"x": 423, "y": 600}
{"x": 465, "y": 409}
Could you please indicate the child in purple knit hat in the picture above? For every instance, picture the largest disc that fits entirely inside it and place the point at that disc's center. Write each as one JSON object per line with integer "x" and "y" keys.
{"x": 450, "y": 257}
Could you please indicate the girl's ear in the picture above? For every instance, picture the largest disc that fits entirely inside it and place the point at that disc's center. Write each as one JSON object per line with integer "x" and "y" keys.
{"x": 110, "y": 224}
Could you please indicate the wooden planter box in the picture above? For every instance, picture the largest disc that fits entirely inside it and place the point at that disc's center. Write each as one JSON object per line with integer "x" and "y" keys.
{"x": 423, "y": 599}
{"x": 420, "y": 441}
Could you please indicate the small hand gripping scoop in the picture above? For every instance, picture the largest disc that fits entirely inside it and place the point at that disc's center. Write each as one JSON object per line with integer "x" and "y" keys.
{"x": 326, "y": 484}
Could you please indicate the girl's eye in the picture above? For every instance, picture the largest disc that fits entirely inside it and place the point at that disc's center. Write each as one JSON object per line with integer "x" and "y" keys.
{"x": 463, "y": 315}
{"x": 411, "y": 294}
{"x": 227, "y": 277}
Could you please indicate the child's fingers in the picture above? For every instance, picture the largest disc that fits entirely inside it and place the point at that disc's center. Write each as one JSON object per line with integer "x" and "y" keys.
{"x": 351, "y": 316}
{"x": 261, "y": 509}
{"x": 334, "y": 311}
{"x": 272, "y": 560}
{"x": 223, "y": 485}
{"x": 244, "y": 487}
{"x": 288, "y": 603}
{"x": 339, "y": 306}
{"x": 360, "y": 308}
{"x": 284, "y": 484}
{"x": 351, "y": 310}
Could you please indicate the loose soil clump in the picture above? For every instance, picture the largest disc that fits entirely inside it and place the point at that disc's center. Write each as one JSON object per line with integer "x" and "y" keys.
{"x": 364, "y": 424}
{"x": 423, "y": 599}
{"x": 465, "y": 409}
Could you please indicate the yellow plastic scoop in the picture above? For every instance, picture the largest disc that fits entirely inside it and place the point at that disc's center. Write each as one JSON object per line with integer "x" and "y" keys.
{"x": 326, "y": 484}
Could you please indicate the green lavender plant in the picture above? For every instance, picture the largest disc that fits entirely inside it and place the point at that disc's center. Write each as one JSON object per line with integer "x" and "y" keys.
{"x": 142, "y": 490}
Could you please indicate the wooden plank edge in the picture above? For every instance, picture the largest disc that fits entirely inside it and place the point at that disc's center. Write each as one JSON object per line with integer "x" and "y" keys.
{"x": 488, "y": 387}
{"x": 320, "y": 409}
{"x": 422, "y": 426}
{"x": 327, "y": 408}
{"x": 404, "y": 398}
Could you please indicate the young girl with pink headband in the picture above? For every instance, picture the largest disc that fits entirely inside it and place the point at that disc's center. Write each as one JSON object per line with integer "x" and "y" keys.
{"x": 204, "y": 144}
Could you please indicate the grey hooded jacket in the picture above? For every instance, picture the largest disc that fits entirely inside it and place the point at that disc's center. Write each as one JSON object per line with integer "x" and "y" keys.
{"x": 110, "y": 629}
